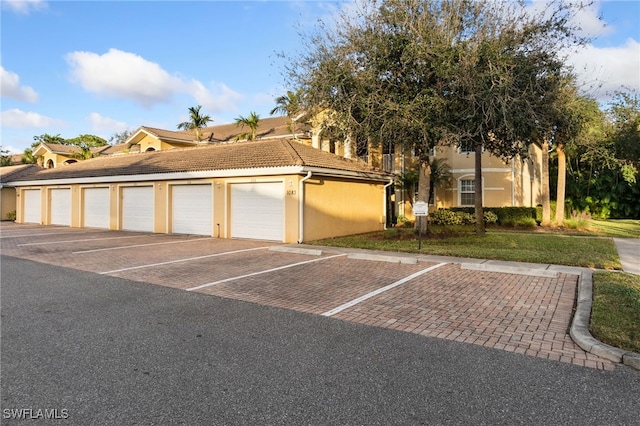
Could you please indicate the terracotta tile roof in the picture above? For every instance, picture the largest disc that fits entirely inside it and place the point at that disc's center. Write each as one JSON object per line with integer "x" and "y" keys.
{"x": 242, "y": 155}
{"x": 15, "y": 172}
{"x": 68, "y": 150}
{"x": 271, "y": 127}
{"x": 114, "y": 149}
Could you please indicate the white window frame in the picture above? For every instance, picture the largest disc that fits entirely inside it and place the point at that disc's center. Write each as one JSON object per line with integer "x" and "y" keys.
{"x": 468, "y": 177}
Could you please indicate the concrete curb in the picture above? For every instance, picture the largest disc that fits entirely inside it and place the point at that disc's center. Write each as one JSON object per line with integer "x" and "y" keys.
{"x": 383, "y": 258}
{"x": 579, "y": 330}
{"x": 288, "y": 249}
{"x": 509, "y": 270}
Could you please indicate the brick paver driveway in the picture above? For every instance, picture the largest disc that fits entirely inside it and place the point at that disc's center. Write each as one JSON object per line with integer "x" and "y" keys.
{"x": 518, "y": 313}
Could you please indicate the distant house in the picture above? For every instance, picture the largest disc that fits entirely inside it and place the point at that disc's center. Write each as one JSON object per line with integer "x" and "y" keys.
{"x": 152, "y": 139}
{"x": 274, "y": 189}
{"x": 52, "y": 155}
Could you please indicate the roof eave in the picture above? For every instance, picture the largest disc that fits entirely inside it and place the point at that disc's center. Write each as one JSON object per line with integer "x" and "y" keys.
{"x": 206, "y": 174}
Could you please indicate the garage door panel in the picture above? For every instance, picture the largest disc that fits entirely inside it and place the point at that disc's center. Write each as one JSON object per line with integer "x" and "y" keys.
{"x": 32, "y": 206}
{"x": 137, "y": 208}
{"x": 257, "y": 211}
{"x": 60, "y": 207}
{"x": 96, "y": 208}
{"x": 192, "y": 209}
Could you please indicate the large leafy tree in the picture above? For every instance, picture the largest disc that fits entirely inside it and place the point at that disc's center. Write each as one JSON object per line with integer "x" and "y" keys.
{"x": 196, "y": 122}
{"x": 604, "y": 159}
{"x": 423, "y": 73}
{"x": 85, "y": 144}
{"x": 251, "y": 121}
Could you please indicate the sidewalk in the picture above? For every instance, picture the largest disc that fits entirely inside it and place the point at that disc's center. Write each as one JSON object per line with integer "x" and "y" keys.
{"x": 629, "y": 253}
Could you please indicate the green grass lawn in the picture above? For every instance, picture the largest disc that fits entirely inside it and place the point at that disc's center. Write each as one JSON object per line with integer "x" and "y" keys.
{"x": 615, "y": 316}
{"x": 558, "y": 249}
{"x": 622, "y": 228}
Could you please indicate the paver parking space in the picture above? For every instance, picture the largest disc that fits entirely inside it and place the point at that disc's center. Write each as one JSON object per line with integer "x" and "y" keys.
{"x": 315, "y": 287}
{"x": 519, "y": 313}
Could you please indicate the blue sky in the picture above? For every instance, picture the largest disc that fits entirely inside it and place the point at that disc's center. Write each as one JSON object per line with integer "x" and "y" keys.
{"x": 76, "y": 67}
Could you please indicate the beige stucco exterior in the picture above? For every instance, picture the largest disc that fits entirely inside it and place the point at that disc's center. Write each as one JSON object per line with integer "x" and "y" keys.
{"x": 332, "y": 206}
{"x": 515, "y": 183}
{"x": 7, "y": 201}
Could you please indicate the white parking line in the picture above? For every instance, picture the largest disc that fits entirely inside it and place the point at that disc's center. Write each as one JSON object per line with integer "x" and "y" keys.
{"x": 181, "y": 260}
{"x": 76, "y": 241}
{"x": 380, "y": 290}
{"x": 38, "y": 235}
{"x": 263, "y": 272}
{"x": 138, "y": 245}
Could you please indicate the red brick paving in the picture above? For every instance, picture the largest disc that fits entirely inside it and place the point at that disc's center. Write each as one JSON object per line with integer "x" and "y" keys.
{"x": 522, "y": 314}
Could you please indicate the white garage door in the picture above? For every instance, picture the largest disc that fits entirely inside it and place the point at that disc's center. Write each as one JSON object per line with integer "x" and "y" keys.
{"x": 96, "y": 208}
{"x": 32, "y": 206}
{"x": 192, "y": 209}
{"x": 257, "y": 211}
{"x": 137, "y": 208}
{"x": 60, "y": 207}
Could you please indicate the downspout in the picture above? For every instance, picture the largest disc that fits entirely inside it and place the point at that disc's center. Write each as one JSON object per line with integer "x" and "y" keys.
{"x": 301, "y": 207}
{"x": 385, "y": 204}
{"x": 513, "y": 183}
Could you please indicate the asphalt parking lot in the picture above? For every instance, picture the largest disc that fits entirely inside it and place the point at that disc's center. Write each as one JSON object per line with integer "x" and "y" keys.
{"x": 527, "y": 314}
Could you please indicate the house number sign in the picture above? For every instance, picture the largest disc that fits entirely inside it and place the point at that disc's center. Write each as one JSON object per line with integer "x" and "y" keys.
{"x": 420, "y": 208}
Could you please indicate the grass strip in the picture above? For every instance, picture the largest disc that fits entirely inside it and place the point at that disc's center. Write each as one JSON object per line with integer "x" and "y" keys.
{"x": 599, "y": 253}
{"x": 615, "y": 315}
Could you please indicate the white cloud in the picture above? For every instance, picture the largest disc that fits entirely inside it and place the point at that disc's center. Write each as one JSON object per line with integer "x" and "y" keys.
{"x": 129, "y": 76}
{"x": 219, "y": 97}
{"x": 17, "y": 119}
{"x": 13, "y": 150}
{"x": 589, "y": 22}
{"x": 123, "y": 75}
{"x": 24, "y": 7}
{"x": 608, "y": 68}
{"x": 101, "y": 124}
{"x": 10, "y": 87}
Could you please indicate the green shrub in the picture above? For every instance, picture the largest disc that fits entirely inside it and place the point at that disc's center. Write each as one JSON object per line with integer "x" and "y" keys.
{"x": 11, "y": 215}
{"x": 490, "y": 218}
{"x": 445, "y": 217}
{"x": 467, "y": 218}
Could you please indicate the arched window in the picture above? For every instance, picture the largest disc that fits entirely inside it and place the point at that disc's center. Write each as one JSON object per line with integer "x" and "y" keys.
{"x": 50, "y": 164}
{"x": 150, "y": 149}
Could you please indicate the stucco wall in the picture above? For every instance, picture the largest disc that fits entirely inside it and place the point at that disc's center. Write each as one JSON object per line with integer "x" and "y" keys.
{"x": 333, "y": 206}
{"x": 7, "y": 201}
{"x": 337, "y": 207}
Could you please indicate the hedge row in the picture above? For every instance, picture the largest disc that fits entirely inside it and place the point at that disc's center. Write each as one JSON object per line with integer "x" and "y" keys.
{"x": 506, "y": 215}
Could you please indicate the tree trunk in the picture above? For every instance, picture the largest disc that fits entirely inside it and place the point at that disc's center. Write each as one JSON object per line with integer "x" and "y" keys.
{"x": 480, "y": 228}
{"x": 546, "y": 199}
{"x": 562, "y": 176}
{"x": 424, "y": 184}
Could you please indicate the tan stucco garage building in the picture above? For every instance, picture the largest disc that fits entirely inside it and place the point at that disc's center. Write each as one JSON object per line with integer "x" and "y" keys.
{"x": 276, "y": 190}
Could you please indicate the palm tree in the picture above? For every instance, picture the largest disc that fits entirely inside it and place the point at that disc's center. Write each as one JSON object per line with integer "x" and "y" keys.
{"x": 251, "y": 122}
{"x": 196, "y": 121}
{"x": 289, "y": 105}
{"x": 440, "y": 174}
